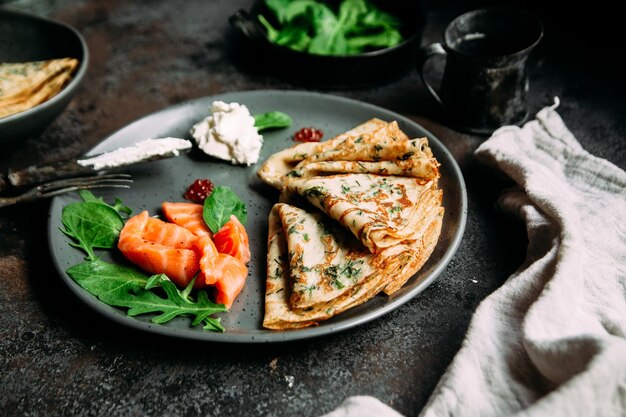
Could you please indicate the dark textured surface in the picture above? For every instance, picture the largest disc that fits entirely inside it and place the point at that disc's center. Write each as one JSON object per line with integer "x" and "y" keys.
{"x": 59, "y": 358}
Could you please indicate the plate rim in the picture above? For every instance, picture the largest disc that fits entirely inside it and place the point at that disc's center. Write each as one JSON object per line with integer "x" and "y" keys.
{"x": 267, "y": 335}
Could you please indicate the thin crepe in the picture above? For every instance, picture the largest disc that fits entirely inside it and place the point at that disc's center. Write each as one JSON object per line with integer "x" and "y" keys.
{"x": 379, "y": 210}
{"x": 375, "y": 147}
{"x": 315, "y": 270}
{"x": 25, "y": 85}
{"x": 358, "y": 215}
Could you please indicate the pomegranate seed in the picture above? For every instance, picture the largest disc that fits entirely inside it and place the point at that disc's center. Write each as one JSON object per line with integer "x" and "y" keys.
{"x": 199, "y": 190}
{"x": 308, "y": 134}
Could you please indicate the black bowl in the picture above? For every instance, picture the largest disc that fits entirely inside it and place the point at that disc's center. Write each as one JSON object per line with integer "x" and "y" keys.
{"x": 27, "y": 37}
{"x": 345, "y": 71}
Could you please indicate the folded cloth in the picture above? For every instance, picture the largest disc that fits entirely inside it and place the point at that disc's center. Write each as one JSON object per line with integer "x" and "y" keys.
{"x": 363, "y": 406}
{"x": 552, "y": 340}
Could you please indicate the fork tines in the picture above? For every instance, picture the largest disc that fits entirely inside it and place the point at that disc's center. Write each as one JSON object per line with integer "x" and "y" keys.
{"x": 82, "y": 183}
{"x": 53, "y": 188}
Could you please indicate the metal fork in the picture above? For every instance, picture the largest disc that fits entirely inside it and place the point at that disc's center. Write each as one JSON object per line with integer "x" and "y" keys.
{"x": 53, "y": 188}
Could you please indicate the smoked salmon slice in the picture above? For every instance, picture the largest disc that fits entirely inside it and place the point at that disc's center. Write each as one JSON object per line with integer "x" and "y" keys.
{"x": 187, "y": 215}
{"x": 232, "y": 239}
{"x": 223, "y": 271}
{"x": 160, "y": 247}
{"x": 186, "y": 248}
{"x": 232, "y": 276}
{"x": 209, "y": 254}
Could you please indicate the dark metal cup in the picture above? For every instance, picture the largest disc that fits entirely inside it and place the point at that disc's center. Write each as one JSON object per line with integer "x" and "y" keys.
{"x": 485, "y": 79}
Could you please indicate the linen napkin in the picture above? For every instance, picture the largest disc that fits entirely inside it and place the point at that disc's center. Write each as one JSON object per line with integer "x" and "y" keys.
{"x": 552, "y": 340}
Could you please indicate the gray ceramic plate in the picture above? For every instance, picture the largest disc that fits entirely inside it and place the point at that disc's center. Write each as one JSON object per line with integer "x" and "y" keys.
{"x": 163, "y": 180}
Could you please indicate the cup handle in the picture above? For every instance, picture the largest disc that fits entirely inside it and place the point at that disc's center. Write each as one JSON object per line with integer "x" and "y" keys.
{"x": 425, "y": 53}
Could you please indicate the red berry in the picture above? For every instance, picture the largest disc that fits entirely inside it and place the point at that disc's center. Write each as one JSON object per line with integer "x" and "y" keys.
{"x": 308, "y": 134}
{"x": 199, "y": 190}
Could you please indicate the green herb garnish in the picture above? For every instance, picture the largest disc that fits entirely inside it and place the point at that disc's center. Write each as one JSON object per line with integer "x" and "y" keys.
{"x": 93, "y": 223}
{"x": 271, "y": 120}
{"x": 220, "y": 205}
{"x": 313, "y": 26}
{"x": 121, "y": 286}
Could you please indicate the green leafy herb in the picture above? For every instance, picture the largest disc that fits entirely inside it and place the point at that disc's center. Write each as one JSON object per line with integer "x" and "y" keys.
{"x": 313, "y": 26}
{"x": 220, "y": 205}
{"x": 271, "y": 120}
{"x": 92, "y": 225}
{"x": 121, "y": 286}
{"x": 87, "y": 195}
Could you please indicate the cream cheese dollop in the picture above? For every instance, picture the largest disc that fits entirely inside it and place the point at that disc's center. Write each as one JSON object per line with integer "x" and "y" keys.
{"x": 229, "y": 134}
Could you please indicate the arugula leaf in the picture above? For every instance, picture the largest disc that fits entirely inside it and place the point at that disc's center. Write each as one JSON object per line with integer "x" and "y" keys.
{"x": 121, "y": 286}
{"x": 213, "y": 325}
{"x": 179, "y": 302}
{"x": 271, "y": 120}
{"x": 92, "y": 225}
{"x": 220, "y": 205}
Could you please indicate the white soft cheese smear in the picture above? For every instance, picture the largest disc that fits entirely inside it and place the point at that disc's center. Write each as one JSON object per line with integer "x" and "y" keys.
{"x": 229, "y": 134}
{"x": 138, "y": 152}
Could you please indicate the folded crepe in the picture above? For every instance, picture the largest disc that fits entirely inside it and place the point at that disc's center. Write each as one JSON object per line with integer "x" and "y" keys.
{"x": 375, "y": 147}
{"x": 24, "y": 85}
{"x": 358, "y": 215}
{"x": 315, "y": 270}
{"x": 379, "y": 210}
